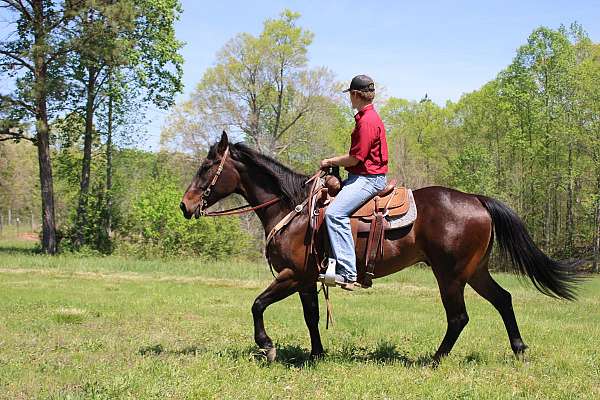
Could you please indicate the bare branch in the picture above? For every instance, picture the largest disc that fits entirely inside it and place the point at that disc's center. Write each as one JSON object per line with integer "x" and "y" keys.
{"x": 25, "y": 11}
{"x": 14, "y": 134}
{"x": 300, "y": 114}
{"x": 17, "y": 5}
{"x": 18, "y": 59}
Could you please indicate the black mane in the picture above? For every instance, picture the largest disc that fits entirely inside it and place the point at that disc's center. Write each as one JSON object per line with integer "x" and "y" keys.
{"x": 290, "y": 182}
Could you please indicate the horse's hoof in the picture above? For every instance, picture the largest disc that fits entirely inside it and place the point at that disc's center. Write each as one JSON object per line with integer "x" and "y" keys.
{"x": 521, "y": 356}
{"x": 519, "y": 348}
{"x": 270, "y": 354}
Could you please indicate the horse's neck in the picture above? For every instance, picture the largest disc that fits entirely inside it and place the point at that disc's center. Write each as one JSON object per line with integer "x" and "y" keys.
{"x": 256, "y": 190}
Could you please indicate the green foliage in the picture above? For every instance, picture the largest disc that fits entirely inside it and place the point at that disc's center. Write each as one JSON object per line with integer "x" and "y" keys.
{"x": 96, "y": 237}
{"x": 156, "y": 226}
{"x": 530, "y": 137}
{"x": 418, "y": 134}
{"x": 472, "y": 171}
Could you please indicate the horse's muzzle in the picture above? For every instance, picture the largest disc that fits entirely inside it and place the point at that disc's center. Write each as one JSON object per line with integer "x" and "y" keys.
{"x": 185, "y": 211}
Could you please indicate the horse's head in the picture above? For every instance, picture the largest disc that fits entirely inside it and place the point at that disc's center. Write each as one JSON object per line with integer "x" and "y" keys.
{"x": 216, "y": 179}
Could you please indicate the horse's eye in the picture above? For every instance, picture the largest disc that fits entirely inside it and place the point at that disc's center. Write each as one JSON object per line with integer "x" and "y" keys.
{"x": 205, "y": 166}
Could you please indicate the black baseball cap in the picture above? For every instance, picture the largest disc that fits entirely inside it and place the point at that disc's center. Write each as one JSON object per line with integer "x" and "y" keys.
{"x": 362, "y": 83}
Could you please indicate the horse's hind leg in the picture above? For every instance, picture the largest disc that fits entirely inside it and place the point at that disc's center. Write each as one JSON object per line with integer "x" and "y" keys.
{"x": 310, "y": 305}
{"x": 489, "y": 289}
{"x": 456, "y": 314}
{"x": 283, "y": 286}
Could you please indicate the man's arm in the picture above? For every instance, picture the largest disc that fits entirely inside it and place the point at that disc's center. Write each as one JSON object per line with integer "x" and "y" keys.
{"x": 345, "y": 160}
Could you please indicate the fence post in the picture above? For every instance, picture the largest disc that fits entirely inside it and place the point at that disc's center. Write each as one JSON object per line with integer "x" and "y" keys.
{"x": 32, "y": 224}
{"x": 18, "y": 221}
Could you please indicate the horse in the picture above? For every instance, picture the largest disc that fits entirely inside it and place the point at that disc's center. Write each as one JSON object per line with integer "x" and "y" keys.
{"x": 453, "y": 234}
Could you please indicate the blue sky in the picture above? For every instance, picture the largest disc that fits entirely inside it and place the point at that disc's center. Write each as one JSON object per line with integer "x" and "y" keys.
{"x": 443, "y": 48}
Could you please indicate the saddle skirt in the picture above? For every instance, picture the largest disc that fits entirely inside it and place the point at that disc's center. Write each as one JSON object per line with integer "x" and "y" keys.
{"x": 400, "y": 214}
{"x": 396, "y": 203}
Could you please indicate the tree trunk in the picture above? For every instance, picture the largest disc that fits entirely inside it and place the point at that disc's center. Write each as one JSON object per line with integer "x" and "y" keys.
{"x": 49, "y": 244}
{"x": 570, "y": 194}
{"x": 596, "y": 256}
{"x": 108, "y": 223}
{"x": 84, "y": 186}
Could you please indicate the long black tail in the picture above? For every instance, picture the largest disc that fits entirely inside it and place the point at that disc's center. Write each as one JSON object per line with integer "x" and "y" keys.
{"x": 551, "y": 277}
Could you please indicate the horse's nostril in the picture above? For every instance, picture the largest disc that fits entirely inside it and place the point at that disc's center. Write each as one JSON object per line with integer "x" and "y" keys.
{"x": 182, "y": 206}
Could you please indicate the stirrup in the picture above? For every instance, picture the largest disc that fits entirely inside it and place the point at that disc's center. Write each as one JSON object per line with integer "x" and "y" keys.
{"x": 328, "y": 278}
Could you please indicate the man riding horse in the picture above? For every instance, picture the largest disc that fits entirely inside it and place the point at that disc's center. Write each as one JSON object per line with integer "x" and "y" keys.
{"x": 453, "y": 232}
{"x": 366, "y": 163}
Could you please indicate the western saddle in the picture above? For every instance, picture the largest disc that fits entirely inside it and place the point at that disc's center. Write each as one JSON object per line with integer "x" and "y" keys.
{"x": 390, "y": 202}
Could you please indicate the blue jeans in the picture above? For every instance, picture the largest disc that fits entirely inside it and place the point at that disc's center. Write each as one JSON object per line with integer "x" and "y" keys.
{"x": 355, "y": 191}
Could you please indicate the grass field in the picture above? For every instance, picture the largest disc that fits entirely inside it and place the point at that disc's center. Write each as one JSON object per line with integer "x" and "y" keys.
{"x": 105, "y": 328}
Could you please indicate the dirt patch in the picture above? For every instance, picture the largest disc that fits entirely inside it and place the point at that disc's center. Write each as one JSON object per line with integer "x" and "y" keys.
{"x": 29, "y": 236}
{"x": 133, "y": 276}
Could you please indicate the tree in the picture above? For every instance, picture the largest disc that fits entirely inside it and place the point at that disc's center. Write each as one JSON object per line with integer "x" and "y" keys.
{"x": 102, "y": 46}
{"x": 416, "y": 139}
{"x": 260, "y": 88}
{"x": 32, "y": 58}
{"x": 19, "y": 187}
{"x": 588, "y": 120}
{"x": 540, "y": 85}
{"x": 127, "y": 44}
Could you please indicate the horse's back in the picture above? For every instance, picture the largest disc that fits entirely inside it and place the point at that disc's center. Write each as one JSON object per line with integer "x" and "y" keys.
{"x": 451, "y": 224}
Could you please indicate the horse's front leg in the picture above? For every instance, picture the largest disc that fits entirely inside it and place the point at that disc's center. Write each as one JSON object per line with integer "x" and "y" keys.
{"x": 284, "y": 285}
{"x": 310, "y": 305}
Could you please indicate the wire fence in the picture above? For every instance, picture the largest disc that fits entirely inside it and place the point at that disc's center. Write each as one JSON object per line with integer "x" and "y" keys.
{"x": 17, "y": 221}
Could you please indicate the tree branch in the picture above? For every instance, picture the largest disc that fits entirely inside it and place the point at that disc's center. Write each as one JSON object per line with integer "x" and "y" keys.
{"x": 300, "y": 114}
{"x": 18, "y": 59}
{"x": 25, "y": 11}
{"x": 18, "y": 6}
{"x": 14, "y": 134}
{"x": 66, "y": 15}
{"x": 20, "y": 103}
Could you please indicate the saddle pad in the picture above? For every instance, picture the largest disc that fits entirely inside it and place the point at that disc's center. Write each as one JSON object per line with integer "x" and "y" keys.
{"x": 401, "y": 221}
{"x": 398, "y": 204}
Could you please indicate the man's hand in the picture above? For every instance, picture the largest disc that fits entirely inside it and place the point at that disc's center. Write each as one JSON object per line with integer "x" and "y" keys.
{"x": 326, "y": 163}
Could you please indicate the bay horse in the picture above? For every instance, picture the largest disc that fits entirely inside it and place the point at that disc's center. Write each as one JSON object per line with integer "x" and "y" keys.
{"x": 453, "y": 234}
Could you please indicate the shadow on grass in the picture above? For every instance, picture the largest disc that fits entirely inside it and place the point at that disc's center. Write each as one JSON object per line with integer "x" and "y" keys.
{"x": 17, "y": 250}
{"x": 384, "y": 353}
{"x": 158, "y": 349}
{"x": 293, "y": 356}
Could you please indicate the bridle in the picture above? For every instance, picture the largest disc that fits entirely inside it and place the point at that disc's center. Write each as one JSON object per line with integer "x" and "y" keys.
{"x": 201, "y": 211}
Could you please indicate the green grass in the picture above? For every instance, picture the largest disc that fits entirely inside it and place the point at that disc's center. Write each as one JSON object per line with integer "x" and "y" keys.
{"x": 109, "y": 327}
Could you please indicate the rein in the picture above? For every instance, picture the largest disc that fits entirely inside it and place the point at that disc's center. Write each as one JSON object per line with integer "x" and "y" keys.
{"x": 241, "y": 209}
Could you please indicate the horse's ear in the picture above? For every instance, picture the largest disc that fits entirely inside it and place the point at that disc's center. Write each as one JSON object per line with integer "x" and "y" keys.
{"x": 223, "y": 143}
